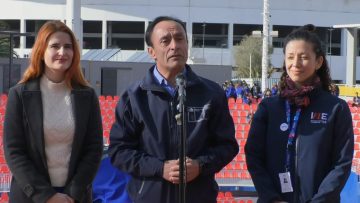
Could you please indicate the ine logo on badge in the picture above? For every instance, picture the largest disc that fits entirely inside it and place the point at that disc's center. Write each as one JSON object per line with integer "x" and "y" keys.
{"x": 317, "y": 117}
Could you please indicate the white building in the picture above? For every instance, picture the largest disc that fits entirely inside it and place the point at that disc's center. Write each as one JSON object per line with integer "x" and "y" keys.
{"x": 213, "y": 26}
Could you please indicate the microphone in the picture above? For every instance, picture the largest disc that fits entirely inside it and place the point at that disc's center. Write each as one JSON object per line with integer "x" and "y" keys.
{"x": 181, "y": 84}
{"x": 181, "y": 122}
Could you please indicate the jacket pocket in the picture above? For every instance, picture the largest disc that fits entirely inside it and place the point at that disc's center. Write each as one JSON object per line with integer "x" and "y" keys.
{"x": 145, "y": 190}
{"x": 135, "y": 188}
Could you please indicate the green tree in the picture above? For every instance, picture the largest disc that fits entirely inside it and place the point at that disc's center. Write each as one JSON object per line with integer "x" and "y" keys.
{"x": 5, "y": 41}
{"x": 249, "y": 47}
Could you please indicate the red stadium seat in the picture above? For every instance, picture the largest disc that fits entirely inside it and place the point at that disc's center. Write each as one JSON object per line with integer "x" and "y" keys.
{"x": 228, "y": 195}
{"x": 357, "y": 138}
{"x": 102, "y": 98}
{"x": 231, "y": 100}
{"x": 220, "y": 196}
{"x": 246, "y": 107}
{"x": 243, "y": 120}
{"x": 357, "y": 154}
{"x": 227, "y": 174}
{"x": 113, "y": 105}
{"x": 245, "y": 166}
{"x": 242, "y": 142}
{"x": 106, "y": 133}
{"x": 243, "y": 113}
{"x": 239, "y": 101}
{"x": 236, "y": 119}
{"x": 4, "y": 197}
{"x": 231, "y": 106}
{"x": 3, "y": 98}
{"x": 2, "y": 110}
{"x": 356, "y": 116}
{"x": 238, "y": 166}
{"x": 239, "y": 127}
{"x": 247, "y": 127}
{"x": 4, "y": 169}
{"x": 352, "y": 109}
{"x": 240, "y": 157}
{"x": 229, "y": 166}
{"x": 2, "y": 159}
{"x": 254, "y": 107}
{"x": 238, "y": 134}
{"x": 356, "y": 146}
{"x": 356, "y": 131}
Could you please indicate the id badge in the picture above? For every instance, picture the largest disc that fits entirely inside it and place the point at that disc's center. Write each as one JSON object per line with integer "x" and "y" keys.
{"x": 285, "y": 182}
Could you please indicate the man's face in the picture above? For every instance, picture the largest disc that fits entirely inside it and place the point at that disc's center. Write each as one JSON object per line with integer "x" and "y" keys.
{"x": 170, "y": 47}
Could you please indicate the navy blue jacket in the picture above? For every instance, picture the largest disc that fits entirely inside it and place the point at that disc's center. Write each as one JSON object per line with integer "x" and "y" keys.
{"x": 144, "y": 135}
{"x": 325, "y": 144}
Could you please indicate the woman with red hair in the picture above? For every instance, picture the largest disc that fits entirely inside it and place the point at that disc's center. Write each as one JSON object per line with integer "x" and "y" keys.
{"x": 52, "y": 129}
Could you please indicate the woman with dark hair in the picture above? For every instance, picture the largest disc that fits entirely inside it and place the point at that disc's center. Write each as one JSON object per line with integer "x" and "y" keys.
{"x": 300, "y": 143}
{"x": 52, "y": 129}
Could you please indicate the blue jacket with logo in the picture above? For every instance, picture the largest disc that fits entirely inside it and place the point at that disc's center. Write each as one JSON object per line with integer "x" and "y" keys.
{"x": 144, "y": 135}
{"x": 324, "y": 149}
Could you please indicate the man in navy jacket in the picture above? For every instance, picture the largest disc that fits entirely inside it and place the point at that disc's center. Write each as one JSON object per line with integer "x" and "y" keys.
{"x": 144, "y": 141}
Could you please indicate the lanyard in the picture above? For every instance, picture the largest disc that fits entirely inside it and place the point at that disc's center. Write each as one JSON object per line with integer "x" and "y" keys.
{"x": 292, "y": 136}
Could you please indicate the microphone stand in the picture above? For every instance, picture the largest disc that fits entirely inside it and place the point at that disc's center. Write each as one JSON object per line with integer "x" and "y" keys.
{"x": 181, "y": 122}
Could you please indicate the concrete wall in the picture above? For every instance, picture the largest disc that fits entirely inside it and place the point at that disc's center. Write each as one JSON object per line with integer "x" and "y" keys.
{"x": 127, "y": 73}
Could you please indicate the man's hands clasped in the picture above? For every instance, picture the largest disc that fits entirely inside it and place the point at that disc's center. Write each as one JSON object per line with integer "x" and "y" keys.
{"x": 171, "y": 170}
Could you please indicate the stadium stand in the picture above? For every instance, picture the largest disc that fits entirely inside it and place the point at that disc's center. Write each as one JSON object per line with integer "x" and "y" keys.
{"x": 235, "y": 174}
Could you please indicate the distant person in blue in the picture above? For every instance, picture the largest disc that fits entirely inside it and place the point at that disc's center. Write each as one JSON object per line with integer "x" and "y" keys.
{"x": 144, "y": 140}
{"x": 301, "y": 143}
{"x": 274, "y": 89}
{"x": 247, "y": 98}
{"x": 256, "y": 92}
{"x": 239, "y": 90}
{"x": 230, "y": 90}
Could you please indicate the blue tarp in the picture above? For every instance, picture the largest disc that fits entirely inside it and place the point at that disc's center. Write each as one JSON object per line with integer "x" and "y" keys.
{"x": 109, "y": 185}
{"x": 351, "y": 191}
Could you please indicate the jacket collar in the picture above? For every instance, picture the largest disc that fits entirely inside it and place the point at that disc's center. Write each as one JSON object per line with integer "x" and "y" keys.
{"x": 150, "y": 82}
{"x": 34, "y": 85}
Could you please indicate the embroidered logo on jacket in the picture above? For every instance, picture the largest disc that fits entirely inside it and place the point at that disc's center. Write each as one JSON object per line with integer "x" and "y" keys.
{"x": 198, "y": 114}
{"x": 317, "y": 117}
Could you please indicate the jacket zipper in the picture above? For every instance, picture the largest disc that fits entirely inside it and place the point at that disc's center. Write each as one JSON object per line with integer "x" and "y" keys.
{"x": 141, "y": 187}
{"x": 172, "y": 127}
{"x": 296, "y": 187}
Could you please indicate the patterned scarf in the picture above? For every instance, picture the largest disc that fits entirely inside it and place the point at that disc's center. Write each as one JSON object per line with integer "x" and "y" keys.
{"x": 299, "y": 95}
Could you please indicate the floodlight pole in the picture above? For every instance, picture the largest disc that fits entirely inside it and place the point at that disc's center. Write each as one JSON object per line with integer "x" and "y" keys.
{"x": 203, "y": 40}
{"x": 265, "y": 45}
